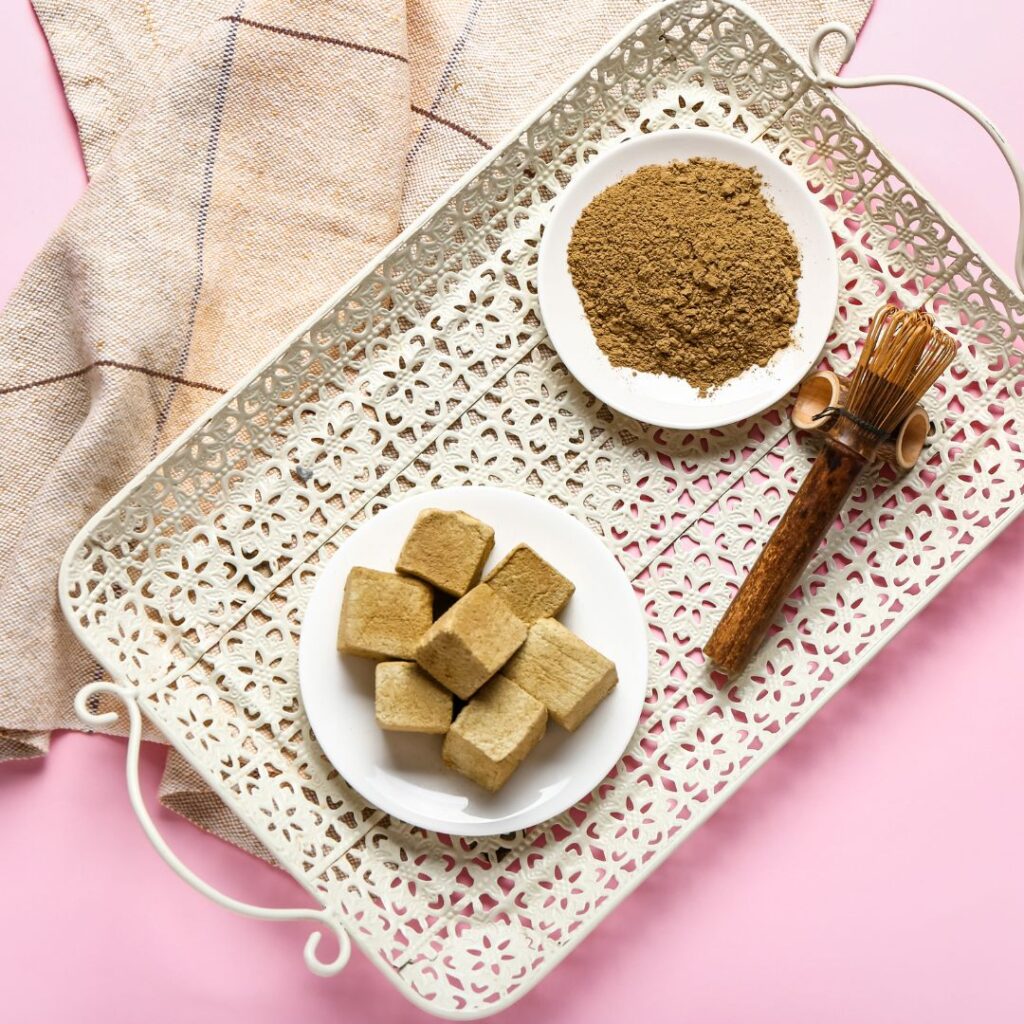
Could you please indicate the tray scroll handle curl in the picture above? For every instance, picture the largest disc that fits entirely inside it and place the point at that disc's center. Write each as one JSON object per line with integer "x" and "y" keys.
{"x": 83, "y": 699}
{"x": 832, "y": 81}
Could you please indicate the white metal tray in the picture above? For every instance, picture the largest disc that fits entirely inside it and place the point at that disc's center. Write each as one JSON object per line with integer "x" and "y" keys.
{"x": 430, "y": 369}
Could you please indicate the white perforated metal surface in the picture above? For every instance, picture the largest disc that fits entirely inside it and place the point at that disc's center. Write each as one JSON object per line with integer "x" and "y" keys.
{"x": 433, "y": 369}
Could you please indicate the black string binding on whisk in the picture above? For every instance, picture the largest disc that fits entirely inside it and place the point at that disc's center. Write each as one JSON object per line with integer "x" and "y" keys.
{"x": 837, "y": 410}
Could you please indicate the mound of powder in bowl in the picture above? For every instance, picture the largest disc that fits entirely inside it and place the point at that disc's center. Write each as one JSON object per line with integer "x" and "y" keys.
{"x": 686, "y": 269}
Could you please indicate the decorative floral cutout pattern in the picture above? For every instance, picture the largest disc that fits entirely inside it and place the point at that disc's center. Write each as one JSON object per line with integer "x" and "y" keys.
{"x": 434, "y": 370}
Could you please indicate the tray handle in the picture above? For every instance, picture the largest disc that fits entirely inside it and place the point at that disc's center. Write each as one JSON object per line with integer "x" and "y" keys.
{"x": 128, "y": 697}
{"x": 822, "y": 77}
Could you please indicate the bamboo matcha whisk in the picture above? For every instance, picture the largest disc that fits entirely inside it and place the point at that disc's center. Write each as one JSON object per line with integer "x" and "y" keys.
{"x": 903, "y": 355}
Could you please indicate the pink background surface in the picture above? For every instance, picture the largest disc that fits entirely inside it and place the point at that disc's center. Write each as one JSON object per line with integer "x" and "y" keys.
{"x": 870, "y": 872}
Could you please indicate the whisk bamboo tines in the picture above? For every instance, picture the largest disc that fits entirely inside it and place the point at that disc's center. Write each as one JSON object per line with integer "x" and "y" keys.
{"x": 903, "y": 355}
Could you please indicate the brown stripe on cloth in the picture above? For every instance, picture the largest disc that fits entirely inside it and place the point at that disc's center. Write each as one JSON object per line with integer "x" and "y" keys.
{"x": 174, "y": 378}
{"x": 306, "y": 186}
{"x": 312, "y": 37}
{"x": 206, "y": 191}
{"x": 450, "y": 124}
{"x": 446, "y": 75}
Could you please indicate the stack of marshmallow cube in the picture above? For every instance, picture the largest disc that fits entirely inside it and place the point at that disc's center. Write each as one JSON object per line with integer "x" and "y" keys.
{"x": 498, "y": 647}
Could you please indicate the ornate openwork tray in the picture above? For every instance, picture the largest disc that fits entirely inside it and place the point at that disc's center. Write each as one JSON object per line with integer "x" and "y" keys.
{"x": 432, "y": 369}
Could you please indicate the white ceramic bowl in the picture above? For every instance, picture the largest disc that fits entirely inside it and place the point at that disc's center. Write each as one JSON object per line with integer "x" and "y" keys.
{"x": 658, "y": 398}
{"x": 402, "y": 773}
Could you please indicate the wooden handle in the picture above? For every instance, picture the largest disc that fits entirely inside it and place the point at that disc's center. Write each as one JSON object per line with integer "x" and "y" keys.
{"x": 785, "y": 556}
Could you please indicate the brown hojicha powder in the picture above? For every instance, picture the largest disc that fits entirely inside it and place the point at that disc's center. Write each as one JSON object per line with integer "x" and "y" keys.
{"x": 686, "y": 269}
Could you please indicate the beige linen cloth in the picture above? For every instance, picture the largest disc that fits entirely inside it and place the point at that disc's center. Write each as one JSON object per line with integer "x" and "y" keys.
{"x": 245, "y": 158}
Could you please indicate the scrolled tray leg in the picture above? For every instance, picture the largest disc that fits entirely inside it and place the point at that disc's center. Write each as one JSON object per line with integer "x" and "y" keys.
{"x": 128, "y": 698}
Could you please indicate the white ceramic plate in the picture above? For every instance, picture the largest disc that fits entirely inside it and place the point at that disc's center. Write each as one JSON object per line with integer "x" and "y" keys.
{"x": 658, "y": 398}
{"x": 402, "y": 773}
